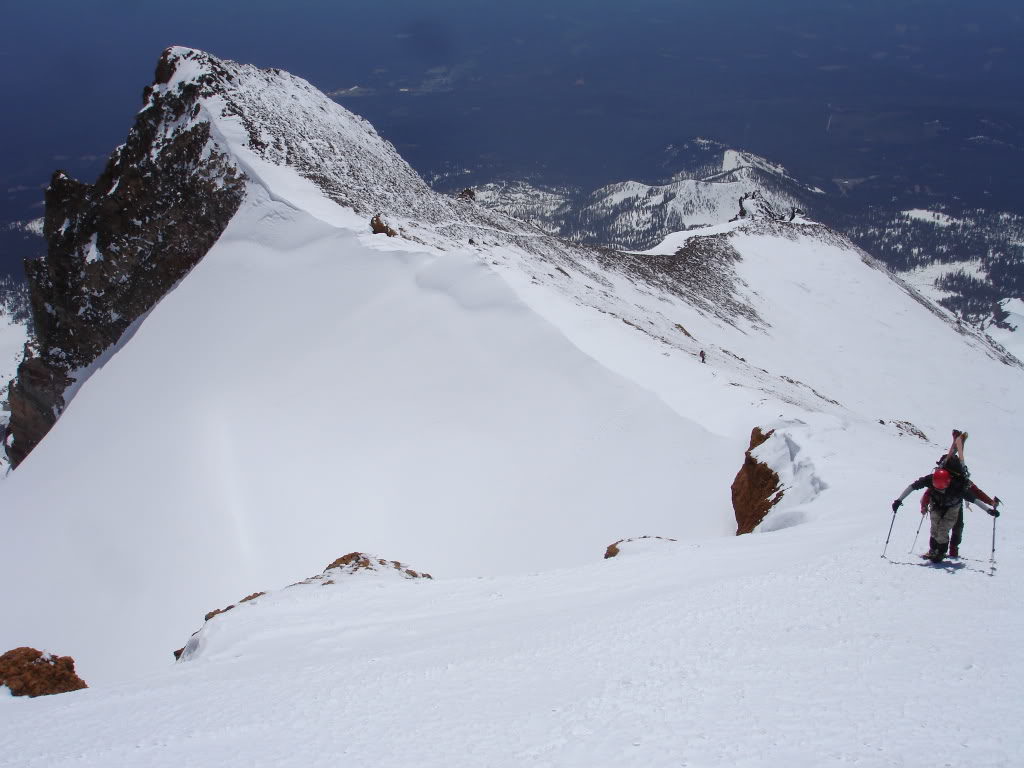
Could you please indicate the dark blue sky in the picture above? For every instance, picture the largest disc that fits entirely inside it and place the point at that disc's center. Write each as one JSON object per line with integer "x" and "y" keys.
{"x": 583, "y": 91}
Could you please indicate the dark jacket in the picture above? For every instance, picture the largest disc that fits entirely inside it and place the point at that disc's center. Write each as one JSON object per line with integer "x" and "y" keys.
{"x": 959, "y": 491}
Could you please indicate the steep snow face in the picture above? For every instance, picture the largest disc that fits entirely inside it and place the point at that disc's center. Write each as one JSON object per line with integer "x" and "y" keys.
{"x": 305, "y": 392}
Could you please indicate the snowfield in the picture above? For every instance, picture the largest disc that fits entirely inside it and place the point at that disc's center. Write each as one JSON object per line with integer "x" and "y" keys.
{"x": 784, "y": 649}
{"x": 496, "y": 414}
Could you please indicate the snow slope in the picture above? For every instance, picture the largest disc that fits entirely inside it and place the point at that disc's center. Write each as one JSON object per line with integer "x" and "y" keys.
{"x": 496, "y": 414}
{"x": 332, "y": 395}
{"x": 759, "y": 651}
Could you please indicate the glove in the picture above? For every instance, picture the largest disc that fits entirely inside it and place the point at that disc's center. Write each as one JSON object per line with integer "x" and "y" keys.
{"x": 994, "y": 512}
{"x": 896, "y": 505}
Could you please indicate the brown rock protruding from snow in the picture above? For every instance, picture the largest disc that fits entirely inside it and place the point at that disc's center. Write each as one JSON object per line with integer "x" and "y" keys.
{"x": 357, "y": 561}
{"x": 28, "y": 672}
{"x": 756, "y": 487}
{"x": 380, "y": 227}
{"x": 614, "y": 549}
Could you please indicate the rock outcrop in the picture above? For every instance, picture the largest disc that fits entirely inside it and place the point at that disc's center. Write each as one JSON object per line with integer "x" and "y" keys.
{"x": 357, "y": 561}
{"x": 380, "y": 227}
{"x": 755, "y": 205}
{"x": 756, "y": 488}
{"x": 117, "y": 246}
{"x": 28, "y": 672}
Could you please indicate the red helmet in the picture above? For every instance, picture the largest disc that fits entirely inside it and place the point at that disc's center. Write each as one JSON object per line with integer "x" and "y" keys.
{"x": 940, "y": 479}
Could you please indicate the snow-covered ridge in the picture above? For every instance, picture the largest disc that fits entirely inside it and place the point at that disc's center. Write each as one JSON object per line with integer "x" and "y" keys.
{"x": 311, "y": 152}
{"x": 696, "y": 202}
{"x": 285, "y": 121}
{"x": 337, "y": 577}
{"x": 635, "y": 215}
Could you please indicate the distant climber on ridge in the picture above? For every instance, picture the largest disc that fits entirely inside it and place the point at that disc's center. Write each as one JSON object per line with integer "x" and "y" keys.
{"x": 947, "y": 488}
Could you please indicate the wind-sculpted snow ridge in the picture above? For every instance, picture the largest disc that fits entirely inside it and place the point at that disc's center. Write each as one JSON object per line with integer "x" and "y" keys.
{"x": 799, "y": 482}
{"x": 227, "y": 626}
{"x": 288, "y": 123}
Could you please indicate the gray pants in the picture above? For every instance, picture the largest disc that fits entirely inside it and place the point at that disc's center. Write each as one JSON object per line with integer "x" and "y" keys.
{"x": 943, "y": 520}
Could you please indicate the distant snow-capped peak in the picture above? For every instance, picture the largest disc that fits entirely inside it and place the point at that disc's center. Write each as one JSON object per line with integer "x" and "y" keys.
{"x": 710, "y": 190}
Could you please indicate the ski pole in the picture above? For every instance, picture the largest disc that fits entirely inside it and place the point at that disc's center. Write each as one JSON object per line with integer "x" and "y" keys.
{"x": 890, "y": 533}
{"x": 914, "y": 545}
{"x": 995, "y": 505}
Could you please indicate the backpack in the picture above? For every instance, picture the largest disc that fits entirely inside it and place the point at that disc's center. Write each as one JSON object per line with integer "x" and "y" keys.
{"x": 959, "y": 482}
{"x": 957, "y": 469}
